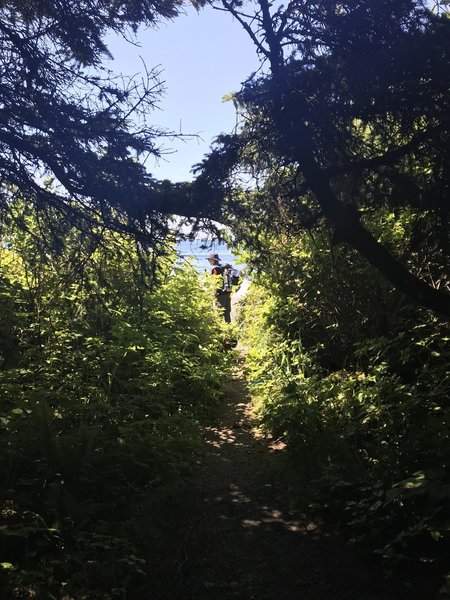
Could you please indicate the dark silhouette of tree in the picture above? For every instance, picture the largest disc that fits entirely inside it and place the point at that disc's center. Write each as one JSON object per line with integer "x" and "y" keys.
{"x": 65, "y": 120}
{"x": 352, "y": 100}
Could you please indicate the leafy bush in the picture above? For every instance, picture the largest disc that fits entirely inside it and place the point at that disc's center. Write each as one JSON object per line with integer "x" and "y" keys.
{"x": 112, "y": 367}
{"x": 356, "y": 383}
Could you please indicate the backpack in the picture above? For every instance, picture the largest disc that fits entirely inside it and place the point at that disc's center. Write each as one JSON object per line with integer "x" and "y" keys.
{"x": 230, "y": 277}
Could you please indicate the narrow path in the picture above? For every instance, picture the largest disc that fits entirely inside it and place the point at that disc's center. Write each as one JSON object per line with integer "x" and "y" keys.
{"x": 243, "y": 541}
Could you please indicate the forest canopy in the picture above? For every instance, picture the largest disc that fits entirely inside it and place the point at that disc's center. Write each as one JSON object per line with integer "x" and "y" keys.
{"x": 71, "y": 133}
{"x": 350, "y": 113}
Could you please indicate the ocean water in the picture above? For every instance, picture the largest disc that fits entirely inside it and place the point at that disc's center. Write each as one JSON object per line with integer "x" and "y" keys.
{"x": 193, "y": 250}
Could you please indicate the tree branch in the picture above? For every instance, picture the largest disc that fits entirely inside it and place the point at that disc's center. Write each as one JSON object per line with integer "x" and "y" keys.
{"x": 389, "y": 158}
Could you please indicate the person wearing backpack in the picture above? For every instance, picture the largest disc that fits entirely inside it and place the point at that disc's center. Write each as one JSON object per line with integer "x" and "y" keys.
{"x": 224, "y": 285}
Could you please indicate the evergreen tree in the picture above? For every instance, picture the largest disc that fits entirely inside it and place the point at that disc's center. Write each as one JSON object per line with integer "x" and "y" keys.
{"x": 64, "y": 116}
{"x": 351, "y": 106}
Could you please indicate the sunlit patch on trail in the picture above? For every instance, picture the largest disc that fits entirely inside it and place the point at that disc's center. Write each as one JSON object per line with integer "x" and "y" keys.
{"x": 276, "y": 445}
{"x": 237, "y": 496}
{"x": 251, "y": 523}
{"x": 268, "y": 516}
{"x": 222, "y": 436}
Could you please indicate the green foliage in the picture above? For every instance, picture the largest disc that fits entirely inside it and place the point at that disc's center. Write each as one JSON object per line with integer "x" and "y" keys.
{"x": 341, "y": 124}
{"x": 105, "y": 372}
{"x": 356, "y": 383}
{"x": 76, "y": 122}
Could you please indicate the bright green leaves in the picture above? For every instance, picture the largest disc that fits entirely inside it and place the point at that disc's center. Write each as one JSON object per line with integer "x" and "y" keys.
{"x": 355, "y": 382}
{"x": 106, "y": 364}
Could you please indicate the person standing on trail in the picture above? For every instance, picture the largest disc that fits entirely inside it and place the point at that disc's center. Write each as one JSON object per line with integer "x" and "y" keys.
{"x": 223, "y": 292}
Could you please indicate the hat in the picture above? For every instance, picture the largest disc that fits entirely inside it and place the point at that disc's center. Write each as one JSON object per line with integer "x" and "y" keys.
{"x": 213, "y": 256}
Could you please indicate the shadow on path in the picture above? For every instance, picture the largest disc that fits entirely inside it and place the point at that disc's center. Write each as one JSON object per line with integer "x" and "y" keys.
{"x": 243, "y": 540}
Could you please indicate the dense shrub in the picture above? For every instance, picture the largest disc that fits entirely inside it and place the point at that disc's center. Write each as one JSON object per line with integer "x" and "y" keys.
{"x": 356, "y": 383}
{"x": 106, "y": 366}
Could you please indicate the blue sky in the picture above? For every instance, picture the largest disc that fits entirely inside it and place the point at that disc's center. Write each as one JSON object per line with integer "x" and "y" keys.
{"x": 203, "y": 56}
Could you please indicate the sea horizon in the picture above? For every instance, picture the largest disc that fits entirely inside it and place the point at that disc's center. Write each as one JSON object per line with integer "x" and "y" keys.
{"x": 193, "y": 250}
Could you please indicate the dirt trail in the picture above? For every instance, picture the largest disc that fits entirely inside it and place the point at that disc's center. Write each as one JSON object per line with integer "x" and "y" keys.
{"x": 243, "y": 541}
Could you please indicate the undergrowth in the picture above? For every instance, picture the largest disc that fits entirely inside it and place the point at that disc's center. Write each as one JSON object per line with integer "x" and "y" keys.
{"x": 105, "y": 371}
{"x": 358, "y": 388}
